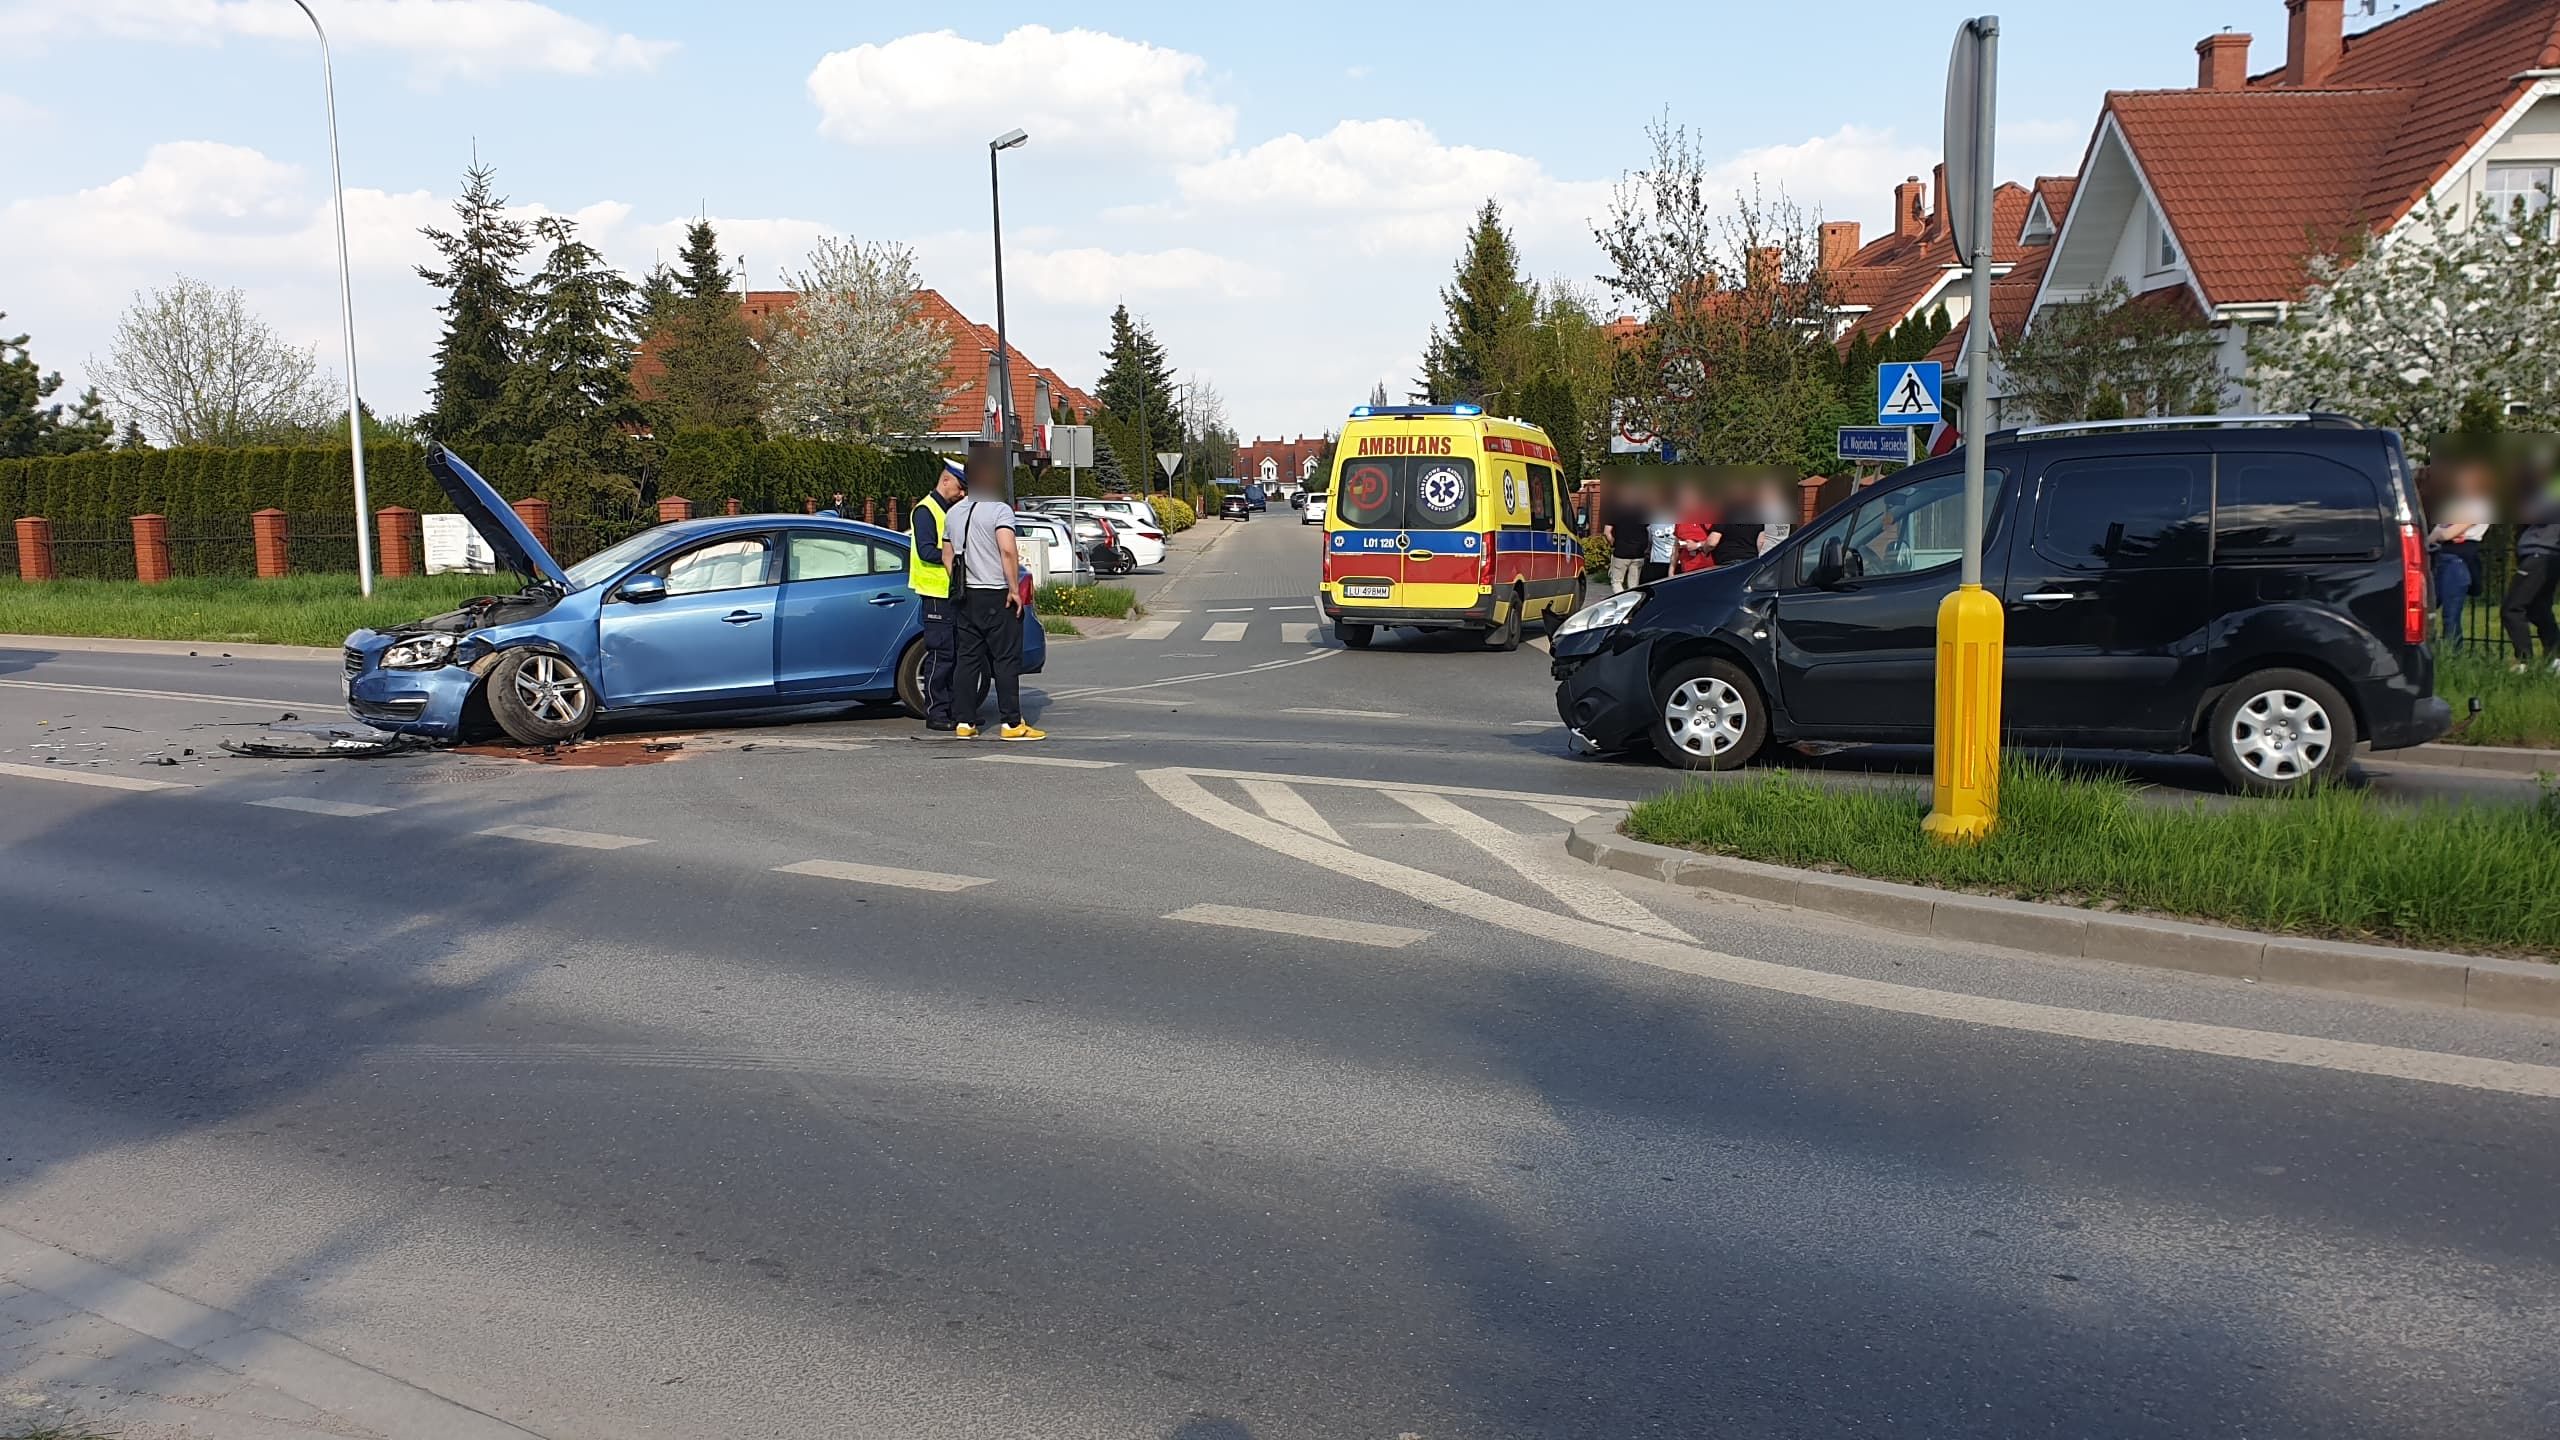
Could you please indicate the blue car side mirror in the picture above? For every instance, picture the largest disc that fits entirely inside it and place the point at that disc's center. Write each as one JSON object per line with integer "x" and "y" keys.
{"x": 641, "y": 589}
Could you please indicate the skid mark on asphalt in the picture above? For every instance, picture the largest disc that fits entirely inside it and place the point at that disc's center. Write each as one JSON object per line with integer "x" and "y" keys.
{"x": 1542, "y": 862}
{"x": 1183, "y": 790}
{"x": 575, "y": 839}
{"x": 89, "y": 778}
{"x": 846, "y": 870}
{"x": 1317, "y": 927}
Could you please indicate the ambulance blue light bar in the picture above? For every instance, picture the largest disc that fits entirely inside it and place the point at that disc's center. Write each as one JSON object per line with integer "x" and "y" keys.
{"x": 1408, "y": 412}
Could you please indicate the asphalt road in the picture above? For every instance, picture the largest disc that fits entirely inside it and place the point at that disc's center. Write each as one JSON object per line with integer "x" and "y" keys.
{"x": 1245, "y": 1061}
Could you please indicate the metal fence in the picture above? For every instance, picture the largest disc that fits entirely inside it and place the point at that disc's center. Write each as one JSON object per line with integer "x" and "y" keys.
{"x": 319, "y": 544}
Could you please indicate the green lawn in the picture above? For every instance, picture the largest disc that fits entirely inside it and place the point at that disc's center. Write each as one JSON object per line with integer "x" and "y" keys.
{"x": 296, "y": 610}
{"x": 1100, "y": 602}
{"x": 2335, "y": 863}
{"x": 2514, "y": 709}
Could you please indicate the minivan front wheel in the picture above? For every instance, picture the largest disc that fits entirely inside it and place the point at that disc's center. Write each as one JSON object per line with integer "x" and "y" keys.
{"x": 1709, "y": 715}
{"x": 2280, "y": 731}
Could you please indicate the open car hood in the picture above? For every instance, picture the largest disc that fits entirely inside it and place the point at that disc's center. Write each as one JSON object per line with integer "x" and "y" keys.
{"x": 494, "y": 518}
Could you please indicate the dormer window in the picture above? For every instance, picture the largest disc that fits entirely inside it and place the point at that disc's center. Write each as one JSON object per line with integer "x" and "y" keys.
{"x": 2164, "y": 255}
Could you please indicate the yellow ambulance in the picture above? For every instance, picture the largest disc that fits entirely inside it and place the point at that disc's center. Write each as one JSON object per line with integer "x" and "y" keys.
{"x": 1442, "y": 517}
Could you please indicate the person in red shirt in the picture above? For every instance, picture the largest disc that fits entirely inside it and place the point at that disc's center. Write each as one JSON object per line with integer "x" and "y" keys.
{"x": 1694, "y": 539}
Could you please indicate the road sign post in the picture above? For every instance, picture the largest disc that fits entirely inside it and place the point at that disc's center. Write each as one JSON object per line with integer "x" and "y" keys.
{"x": 1964, "y": 801}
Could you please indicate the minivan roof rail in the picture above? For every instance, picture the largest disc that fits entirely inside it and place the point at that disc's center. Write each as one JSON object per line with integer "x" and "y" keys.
{"x": 2316, "y": 419}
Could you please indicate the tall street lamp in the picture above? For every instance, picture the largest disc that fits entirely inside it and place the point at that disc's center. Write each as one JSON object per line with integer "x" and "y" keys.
{"x": 1004, "y": 352}
{"x": 346, "y": 309}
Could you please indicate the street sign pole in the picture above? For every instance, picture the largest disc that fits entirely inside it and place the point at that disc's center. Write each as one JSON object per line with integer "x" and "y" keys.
{"x": 1965, "y": 792}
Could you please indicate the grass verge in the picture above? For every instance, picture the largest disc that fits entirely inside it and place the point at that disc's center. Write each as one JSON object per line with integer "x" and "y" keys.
{"x": 2514, "y": 709}
{"x": 1098, "y": 602}
{"x": 295, "y": 610}
{"x": 2336, "y": 864}
{"x": 1058, "y": 625}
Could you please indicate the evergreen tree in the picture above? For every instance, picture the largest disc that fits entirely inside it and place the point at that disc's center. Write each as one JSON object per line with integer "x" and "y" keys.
{"x": 659, "y": 299}
{"x": 1107, "y": 471}
{"x": 1476, "y": 353}
{"x": 714, "y": 371}
{"x": 1378, "y": 395}
{"x": 569, "y": 393}
{"x": 1137, "y": 389}
{"x": 1547, "y": 402}
{"x": 484, "y": 304}
{"x": 30, "y": 427}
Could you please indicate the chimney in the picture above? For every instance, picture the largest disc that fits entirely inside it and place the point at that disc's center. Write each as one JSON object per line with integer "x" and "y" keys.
{"x": 1938, "y": 202}
{"x": 2315, "y": 38}
{"x": 2222, "y": 62}
{"x": 1910, "y": 207}
{"x": 1839, "y": 243}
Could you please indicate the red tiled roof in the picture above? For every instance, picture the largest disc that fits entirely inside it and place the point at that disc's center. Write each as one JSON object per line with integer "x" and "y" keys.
{"x": 1894, "y": 275}
{"x": 2057, "y": 191}
{"x": 1289, "y": 456}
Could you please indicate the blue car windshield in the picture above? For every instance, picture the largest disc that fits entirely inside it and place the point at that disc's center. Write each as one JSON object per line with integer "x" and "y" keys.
{"x": 608, "y": 562}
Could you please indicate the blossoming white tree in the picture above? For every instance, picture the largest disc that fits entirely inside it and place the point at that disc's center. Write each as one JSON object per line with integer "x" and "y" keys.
{"x": 2406, "y": 327}
{"x": 855, "y": 359}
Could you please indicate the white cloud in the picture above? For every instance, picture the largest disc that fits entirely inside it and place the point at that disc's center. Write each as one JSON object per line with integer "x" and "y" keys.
{"x": 1401, "y": 189}
{"x": 1069, "y": 88}
{"x": 470, "y": 38}
{"x": 1093, "y": 276}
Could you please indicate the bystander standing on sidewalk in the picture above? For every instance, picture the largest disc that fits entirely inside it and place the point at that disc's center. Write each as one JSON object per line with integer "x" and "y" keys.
{"x": 1622, "y": 524}
{"x": 2526, "y": 608}
{"x": 2461, "y": 517}
{"x": 985, "y": 560}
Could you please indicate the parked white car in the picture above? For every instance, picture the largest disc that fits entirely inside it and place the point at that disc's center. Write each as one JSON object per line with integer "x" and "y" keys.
{"x": 1141, "y": 533}
{"x": 1313, "y": 512}
{"x": 1069, "y": 563}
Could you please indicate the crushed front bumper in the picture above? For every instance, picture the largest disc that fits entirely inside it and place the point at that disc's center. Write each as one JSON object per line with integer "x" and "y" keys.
{"x": 426, "y": 703}
{"x": 1605, "y": 697}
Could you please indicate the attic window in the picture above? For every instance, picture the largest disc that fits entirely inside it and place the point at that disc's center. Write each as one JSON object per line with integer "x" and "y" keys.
{"x": 2164, "y": 254}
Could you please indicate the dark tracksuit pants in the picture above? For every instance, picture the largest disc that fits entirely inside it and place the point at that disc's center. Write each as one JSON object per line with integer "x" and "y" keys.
{"x": 941, "y": 657}
{"x": 2526, "y": 608}
{"x": 990, "y": 644}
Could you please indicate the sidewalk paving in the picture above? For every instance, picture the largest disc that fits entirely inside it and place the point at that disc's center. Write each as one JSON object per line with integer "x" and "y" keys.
{"x": 86, "y": 1346}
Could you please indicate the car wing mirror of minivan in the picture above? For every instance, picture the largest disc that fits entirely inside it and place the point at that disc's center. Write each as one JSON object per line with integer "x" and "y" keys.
{"x": 643, "y": 589}
{"x": 1832, "y": 565}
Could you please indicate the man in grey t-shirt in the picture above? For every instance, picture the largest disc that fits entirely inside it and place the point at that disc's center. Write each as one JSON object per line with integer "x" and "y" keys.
{"x": 979, "y": 546}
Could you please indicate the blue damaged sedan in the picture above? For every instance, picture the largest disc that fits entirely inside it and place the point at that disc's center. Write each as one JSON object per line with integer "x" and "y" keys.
{"x": 731, "y": 614}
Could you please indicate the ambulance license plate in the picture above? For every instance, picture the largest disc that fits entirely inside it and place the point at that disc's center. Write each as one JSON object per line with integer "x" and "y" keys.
{"x": 1367, "y": 592}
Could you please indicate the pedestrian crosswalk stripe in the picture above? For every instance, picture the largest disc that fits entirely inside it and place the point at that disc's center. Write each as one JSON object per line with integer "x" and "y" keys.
{"x": 1291, "y": 809}
{"x": 343, "y": 809}
{"x": 1297, "y": 632}
{"x": 1541, "y": 863}
{"x": 578, "y": 839}
{"x": 883, "y": 875}
{"x": 1314, "y": 927}
{"x": 1345, "y": 714}
{"x": 1226, "y": 630}
{"x": 89, "y": 777}
{"x": 1154, "y": 629}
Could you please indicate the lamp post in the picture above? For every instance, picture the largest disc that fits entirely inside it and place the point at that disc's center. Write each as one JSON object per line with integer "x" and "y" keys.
{"x": 1004, "y": 352}
{"x": 346, "y": 307}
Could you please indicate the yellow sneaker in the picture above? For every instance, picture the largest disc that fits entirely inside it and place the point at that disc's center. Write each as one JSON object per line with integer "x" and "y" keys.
{"x": 964, "y": 731}
{"x": 1022, "y": 732}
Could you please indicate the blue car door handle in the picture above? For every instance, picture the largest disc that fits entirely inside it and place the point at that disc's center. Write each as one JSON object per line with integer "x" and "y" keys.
{"x": 887, "y": 597}
{"x": 741, "y": 617}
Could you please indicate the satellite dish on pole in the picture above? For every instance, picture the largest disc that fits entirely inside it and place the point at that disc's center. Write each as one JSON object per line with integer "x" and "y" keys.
{"x": 1171, "y": 460}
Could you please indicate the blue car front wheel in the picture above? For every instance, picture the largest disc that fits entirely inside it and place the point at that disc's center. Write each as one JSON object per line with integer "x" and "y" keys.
{"x": 539, "y": 698}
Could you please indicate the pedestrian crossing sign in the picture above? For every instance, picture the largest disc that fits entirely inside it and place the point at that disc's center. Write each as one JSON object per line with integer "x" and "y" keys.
{"x": 1911, "y": 393}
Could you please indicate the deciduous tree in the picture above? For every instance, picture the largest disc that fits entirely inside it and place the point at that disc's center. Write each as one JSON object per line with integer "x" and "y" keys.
{"x": 856, "y": 359}
{"x": 2109, "y": 356}
{"x": 194, "y": 366}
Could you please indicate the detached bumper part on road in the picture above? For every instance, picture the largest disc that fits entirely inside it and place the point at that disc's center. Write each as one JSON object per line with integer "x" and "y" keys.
{"x": 1606, "y": 697}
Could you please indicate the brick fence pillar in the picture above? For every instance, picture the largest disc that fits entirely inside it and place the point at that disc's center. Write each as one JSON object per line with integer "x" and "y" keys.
{"x": 150, "y": 548}
{"x": 536, "y": 515}
{"x": 674, "y": 507}
{"x": 397, "y": 526}
{"x": 1811, "y": 486}
{"x": 35, "y": 549}
{"x": 731, "y": 505}
{"x": 870, "y": 510}
{"x": 893, "y": 514}
{"x": 272, "y": 538}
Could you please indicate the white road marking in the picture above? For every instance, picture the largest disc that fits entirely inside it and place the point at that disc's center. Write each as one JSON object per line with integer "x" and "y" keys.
{"x": 1278, "y": 922}
{"x": 1569, "y": 814}
{"x": 882, "y": 875}
{"x": 1290, "y": 808}
{"x": 1535, "y": 724}
{"x": 1463, "y": 792}
{"x": 1297, "y": 632}
{"x": 344, "y": 809}
{"x": 1154, "y": 629}
{"x": 809, "y": 742}
{"x": 88, "y": 777}
{"x": 1232, "y": 610}
{"x": 1288, "y": 607}
{"x": 1225, "y": 630}
{"x": 1183, "y": 790}
{"x": 579, "y": 839}
{"x": 332, "y": 706}
{"x": 1054, "y": 762}
{"x": 1188, "y": 679}
{"x": 1542, "y": 863}
{"x": 1346, "y": 714}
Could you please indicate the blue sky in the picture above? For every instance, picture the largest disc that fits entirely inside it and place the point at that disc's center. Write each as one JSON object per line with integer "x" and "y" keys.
{"x": 1280, "y": 190}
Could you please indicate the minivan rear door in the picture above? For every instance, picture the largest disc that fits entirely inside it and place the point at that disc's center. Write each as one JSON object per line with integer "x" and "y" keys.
{"x": 2109, "y": 599}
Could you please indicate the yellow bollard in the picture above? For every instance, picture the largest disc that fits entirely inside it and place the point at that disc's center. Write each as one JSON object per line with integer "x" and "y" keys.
{"x": 1965, "y": 802}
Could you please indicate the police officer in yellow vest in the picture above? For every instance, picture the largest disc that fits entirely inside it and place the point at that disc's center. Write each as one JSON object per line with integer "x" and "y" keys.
{"x": 932, "y": 582}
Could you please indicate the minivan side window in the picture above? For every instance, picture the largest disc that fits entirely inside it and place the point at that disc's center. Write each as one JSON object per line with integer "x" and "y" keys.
{"x": 2121, "y": 512}
{"x": 1903, "y": 532}
{"x": 2279, "y": 507}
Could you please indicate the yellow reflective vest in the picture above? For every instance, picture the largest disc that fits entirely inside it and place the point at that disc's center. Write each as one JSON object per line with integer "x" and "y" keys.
{"x": 929, "y": 577}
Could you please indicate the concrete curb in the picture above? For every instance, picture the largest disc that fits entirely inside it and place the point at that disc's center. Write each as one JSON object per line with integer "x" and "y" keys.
{"x": 2515, "y": 987}
{"x": 208, "y": 649}
{"x": 2504, "y": 759}
{"x": 326, "y": 1382}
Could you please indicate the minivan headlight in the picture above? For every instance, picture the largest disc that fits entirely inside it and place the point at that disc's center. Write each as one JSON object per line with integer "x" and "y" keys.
{"x": 1605, "y": 615}
{"x": 419, "y": 652}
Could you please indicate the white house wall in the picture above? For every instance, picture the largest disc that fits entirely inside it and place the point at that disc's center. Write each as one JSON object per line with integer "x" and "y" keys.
{"x": 2533, "y": 140}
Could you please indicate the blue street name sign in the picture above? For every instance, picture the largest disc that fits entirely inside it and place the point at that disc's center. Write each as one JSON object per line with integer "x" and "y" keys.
{"x": 1876, "y": 444}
